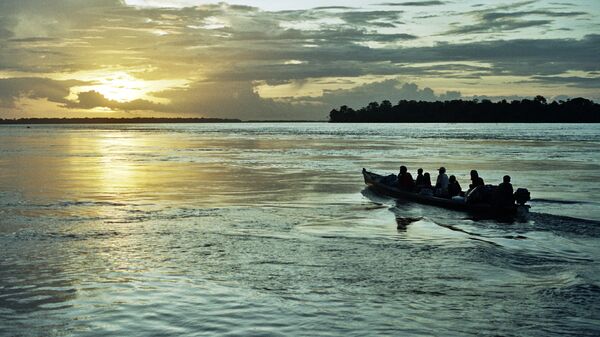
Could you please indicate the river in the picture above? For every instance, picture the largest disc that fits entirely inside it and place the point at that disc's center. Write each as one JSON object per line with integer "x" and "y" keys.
{"x": 267, "y": 229}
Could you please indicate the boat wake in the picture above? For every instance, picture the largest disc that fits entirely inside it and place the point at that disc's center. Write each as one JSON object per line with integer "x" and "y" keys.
{"x": 407, "y": 213}
{"x": 566, "y": 224}
{"x": 558, "y": 201}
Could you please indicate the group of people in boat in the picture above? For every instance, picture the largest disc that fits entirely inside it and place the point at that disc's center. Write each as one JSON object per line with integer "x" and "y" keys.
{"x": 449, "y": 187}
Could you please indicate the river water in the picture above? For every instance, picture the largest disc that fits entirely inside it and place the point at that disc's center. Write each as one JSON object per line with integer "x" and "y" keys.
{"x": 268, "y": 229}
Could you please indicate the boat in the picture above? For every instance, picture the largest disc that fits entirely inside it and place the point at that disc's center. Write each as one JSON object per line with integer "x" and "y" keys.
{"x": 381, "y": 185}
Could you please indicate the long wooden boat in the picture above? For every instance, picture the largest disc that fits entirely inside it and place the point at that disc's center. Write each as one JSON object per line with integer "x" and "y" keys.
{"x": 375, "y": 182}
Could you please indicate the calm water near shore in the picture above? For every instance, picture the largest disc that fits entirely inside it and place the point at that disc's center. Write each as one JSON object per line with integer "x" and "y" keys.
{"x": 267, "y": 229}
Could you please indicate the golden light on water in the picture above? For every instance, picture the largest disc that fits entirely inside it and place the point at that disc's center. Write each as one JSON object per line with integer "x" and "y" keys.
{"x": 104, "y": 166}
{"x": 115, "y": 172}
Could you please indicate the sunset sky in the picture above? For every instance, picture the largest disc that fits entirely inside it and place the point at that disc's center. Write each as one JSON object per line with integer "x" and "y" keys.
{"x": 287, "y": 59}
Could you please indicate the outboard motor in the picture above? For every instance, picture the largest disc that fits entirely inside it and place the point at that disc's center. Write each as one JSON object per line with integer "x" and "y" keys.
{"x": 522, "y": 196}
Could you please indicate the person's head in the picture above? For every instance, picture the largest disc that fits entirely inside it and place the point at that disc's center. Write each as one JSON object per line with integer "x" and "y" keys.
{"x": 474, "y": 174}
{"x": 452, "y": 179}
{"x": 426, "y": 175}
{"x": 442, "y": 170}
{"x": 403, "y": 169}
{"x": 506, "y": 179}
{"x": 420, "y": 171}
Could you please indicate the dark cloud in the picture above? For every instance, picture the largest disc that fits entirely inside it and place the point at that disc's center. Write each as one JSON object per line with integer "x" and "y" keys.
{"x": 413, "y": 3}
{"x": 504, "y": 25}
{"x": 490, "y": 16}
{"x": 509, "y": 17}
{"x": 569, "y": 4}
{"x": 231, "y": 100}
{"x": 231, "y": 47}
{"x": 523, "y": 57}
{"x": 373, "y": 18}
{"x": 514, "y": 5}
{"x": 33, "y": 39}
{"x": 392, "y": 90}
{"x": 571, "y": 81}
{"x": 12, "y": 89}
{"x": 333, "y": 7}
{"x": 93, "y": 99}
{"x": 89, "y": 100}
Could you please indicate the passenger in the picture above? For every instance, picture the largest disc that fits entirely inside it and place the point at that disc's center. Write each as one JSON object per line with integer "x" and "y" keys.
{"x": 427, "y": 180}
{"x": 405, "y": 179}
{"x": 476, "y": 180}
{"x": 441, "y": 184}
{"x": 425, "y": 188}
{"x": 420, "y": 181}
{"x": 505, "y": 191}
{"x": 454, "y": 188}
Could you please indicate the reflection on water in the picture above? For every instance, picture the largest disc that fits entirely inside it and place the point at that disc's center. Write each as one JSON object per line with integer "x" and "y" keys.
{"x": 264, "y": 229}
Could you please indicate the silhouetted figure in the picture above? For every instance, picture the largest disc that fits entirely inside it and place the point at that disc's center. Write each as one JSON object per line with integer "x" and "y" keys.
{"x": 405, "y": 179}
{"x": 420, "y": 181}
{"x": 441, "y": 183}
{"x": 454, "y": 188}
{"x": 427, "y": 180}
{"x": 505, "y": 192}
{"x": 476, "y": 180}
{"x": 425, "y": 188}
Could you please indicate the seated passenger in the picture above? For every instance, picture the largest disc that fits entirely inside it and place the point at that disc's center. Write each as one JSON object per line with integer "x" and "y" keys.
{"x": 505, "y": 192}
{"x": 454, "y": 188}
{"x": 405, "y": 180}
{"x": 476, "y": 180}
{"x": 420, "y": 178}
{"x": 441, "y": 183}
{"x": 425, "y": 188}
{"x": 427, "y": 180}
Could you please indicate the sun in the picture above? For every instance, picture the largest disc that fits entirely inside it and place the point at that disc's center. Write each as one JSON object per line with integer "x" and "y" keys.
{"x": 121, "y": 86}
{"x": 118, "y": 86}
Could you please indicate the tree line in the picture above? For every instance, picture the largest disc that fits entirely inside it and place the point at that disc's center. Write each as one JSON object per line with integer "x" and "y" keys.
{"x": 537, "y": 110}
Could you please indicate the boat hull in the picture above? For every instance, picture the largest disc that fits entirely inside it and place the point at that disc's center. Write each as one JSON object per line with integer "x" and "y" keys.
{"x": 373, "y": 180}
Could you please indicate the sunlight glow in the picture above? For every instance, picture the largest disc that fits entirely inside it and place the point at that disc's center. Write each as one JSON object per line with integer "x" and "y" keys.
{"x": 120, "y": 86}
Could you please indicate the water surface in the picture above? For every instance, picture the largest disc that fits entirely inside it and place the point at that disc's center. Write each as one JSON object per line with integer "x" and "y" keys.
{"x": 267, "y": 229}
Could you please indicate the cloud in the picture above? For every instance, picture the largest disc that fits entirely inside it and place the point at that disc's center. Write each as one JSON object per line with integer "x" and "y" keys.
{"x": 413, "y": 3}
{"x": 33, "y": 39}
{"x": 333, "y": 7}
{"x": 93, "y": 99}
{"x": 503, "y": 25}
{"x": 239, "y": 99}
{"x": 392, "y": 89}
{"x": 225, "y": 49}
{"x": 373, "y": 18}
{"x": 524, "y": 57}
{"x": 506, "y": 18}
{"x": 491, "y": 16}
{"x": 233, "y": 99}
{"x": 571, "y": 81}
{"x": 12, "y": 89}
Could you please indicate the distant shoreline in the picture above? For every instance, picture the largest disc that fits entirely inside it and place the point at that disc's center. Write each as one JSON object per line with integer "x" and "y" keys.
{"x": 141, "y": 120}
{"x": 101, "y": 120}
{"x": 74, "y": 121}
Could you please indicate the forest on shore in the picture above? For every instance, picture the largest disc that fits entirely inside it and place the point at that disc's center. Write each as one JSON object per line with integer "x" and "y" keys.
{"x": 537, "y": 110}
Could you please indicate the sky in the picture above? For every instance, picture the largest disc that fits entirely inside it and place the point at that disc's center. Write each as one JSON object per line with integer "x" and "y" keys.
{"x": 287, "y": 60}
